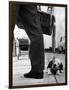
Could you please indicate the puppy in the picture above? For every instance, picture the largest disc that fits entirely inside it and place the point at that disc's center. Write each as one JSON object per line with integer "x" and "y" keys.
{"x": 55, "y": 66}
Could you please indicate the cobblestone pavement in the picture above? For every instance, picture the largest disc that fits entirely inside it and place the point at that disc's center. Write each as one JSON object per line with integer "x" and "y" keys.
{"x": 22, "y": 65}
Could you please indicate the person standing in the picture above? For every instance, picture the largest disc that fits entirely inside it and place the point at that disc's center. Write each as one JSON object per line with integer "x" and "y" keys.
{"x": 30, "y": 20}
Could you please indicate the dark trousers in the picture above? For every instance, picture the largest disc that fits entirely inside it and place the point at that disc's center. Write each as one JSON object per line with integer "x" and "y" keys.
{"x": 30, "y": 20}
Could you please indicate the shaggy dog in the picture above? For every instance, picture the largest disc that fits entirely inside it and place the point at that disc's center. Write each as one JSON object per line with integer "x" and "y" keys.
{"x": 55, "y": 66}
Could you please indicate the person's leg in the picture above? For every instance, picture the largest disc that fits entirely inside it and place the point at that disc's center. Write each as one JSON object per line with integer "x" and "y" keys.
{"x": 36, "y": 54}
{"x": 32, "y": 26}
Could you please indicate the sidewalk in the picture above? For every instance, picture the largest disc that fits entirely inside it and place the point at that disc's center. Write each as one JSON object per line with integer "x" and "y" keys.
{"x": 22, "y": 66}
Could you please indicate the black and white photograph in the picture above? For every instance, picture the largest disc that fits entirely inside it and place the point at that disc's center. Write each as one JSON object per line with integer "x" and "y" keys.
{"x": 37, "y": 44}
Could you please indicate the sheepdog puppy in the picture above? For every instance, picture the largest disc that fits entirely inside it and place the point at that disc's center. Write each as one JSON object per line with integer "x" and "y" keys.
{"x": 55, "y": 66}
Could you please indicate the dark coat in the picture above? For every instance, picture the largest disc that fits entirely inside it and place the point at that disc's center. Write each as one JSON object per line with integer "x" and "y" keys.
{"x": 44, "y": 18}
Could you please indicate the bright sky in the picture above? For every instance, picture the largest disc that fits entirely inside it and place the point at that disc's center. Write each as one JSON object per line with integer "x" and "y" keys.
{"x": 59, "y": 13}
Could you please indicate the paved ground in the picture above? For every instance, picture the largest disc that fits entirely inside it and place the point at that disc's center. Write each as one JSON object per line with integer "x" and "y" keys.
{"x": 22, "y": 66}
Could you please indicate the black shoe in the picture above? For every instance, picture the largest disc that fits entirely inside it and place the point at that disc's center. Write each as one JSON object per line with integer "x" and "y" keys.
{"x": 35, "y": 75}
